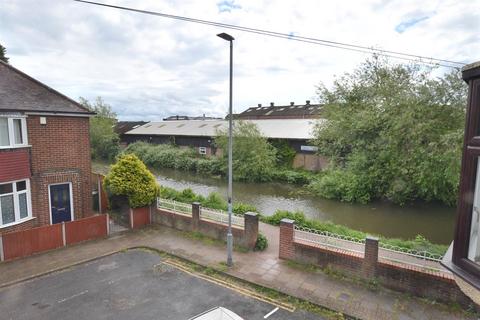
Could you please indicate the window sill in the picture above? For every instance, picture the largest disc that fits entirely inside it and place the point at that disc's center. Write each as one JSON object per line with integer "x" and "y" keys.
{"x": 15, "y": 147}
{"x": 458, "y": 271}
{"x": 17, "y": 222}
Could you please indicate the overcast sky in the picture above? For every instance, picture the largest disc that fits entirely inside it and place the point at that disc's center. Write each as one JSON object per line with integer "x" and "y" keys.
{"x": 149, "y": 67}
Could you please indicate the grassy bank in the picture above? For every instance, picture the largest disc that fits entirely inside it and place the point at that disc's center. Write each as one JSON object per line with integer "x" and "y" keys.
{"x": 215, "y": 201}
{"x": 417, "y": 244}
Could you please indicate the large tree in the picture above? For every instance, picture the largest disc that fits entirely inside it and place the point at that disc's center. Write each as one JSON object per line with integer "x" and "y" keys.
{"x": 253, "y": 156}
{"x": 3, "y": 53}
{"x": 393, "y": 131}
{"x": 104, "y": 141}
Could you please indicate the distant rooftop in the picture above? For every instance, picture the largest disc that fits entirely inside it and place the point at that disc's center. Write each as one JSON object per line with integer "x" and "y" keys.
{"x": 291, "y": 111}
{"x": 177, "y": 117}
{"x": 275, "y": 129}
{"x": 123, "y": 126}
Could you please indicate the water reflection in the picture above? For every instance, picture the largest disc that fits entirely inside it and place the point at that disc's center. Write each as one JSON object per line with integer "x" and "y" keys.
{"x": 434, "y": 221}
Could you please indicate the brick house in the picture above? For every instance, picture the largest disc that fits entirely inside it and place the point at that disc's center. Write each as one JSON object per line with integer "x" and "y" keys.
{"x": 44, "y": 154}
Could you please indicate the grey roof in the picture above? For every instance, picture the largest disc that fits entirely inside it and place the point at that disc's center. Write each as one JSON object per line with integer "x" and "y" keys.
{"x": 123, "y": 126}
{"x": 20, "y": 92}
{"x": 177, "y": 117}
{"x": 290, "y": 111}
{"x": 275, "y": 129}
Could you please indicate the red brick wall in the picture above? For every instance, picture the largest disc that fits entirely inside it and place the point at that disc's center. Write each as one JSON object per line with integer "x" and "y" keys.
{"x": 15, "y": 164}
{"x": 423, "y": 283}
{"x": 21, "y": 226}
{"x": 60, "y": 152}
{"x": 213, "y": 229}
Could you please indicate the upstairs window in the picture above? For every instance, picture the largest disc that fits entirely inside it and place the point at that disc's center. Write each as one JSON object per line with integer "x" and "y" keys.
{"x": 13, "y": 132}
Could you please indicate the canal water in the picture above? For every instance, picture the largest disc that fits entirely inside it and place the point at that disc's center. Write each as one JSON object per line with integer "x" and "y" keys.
{"x": 433, "y": 221}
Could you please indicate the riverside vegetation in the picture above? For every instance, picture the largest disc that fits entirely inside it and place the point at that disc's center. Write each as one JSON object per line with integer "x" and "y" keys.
{"x": 394, "y": 132}
{"x": 215, "y": 201}
{"x": 168, "y": 156}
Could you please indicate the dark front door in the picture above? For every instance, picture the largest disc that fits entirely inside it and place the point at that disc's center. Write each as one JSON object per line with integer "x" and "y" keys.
{"x": 60, "y": 203}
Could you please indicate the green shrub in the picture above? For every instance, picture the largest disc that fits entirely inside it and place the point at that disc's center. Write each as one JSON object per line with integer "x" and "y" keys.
{"x": 253, "y": 157}
{"x": 293, "y": 176}
{"x": 129, "y": 177}
{"x": 214, "y": 201}
{"x": 168, "y": 156}
{"x": 275, "y": 219}
{"x": 343, "y": 185}
{"x": 285, "y": 153}
{"x": 261, "y": 243}
{"x": 239, "y": 208}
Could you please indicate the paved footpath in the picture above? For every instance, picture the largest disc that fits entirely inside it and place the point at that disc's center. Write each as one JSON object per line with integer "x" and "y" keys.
{"x": 263, "y": 268}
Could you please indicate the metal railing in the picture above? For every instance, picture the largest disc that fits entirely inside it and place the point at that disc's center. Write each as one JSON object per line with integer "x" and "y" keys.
{"x": 399, "y": 255}
{"x": 220, "y": 216}
{"x": 422, "y": 259}
{"x": 173, "y": 205}
{"x": 205, "y": 213}
{"x": 419, "y": 254}
{"x": 329, "y": 239}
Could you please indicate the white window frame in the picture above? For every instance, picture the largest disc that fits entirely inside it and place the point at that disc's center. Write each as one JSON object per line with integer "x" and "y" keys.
{"x": 202, "y": 150}
{"x": 16, "y": 203}
{"x": 72, "y": 215}
{"x": 11, "y": 132}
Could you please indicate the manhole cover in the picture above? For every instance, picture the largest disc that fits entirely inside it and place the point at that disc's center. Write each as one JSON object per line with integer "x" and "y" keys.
{"x": 344, "y": 297}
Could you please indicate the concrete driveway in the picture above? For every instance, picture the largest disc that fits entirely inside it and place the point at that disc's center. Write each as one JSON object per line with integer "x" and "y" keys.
{"x": 129, "y": 285}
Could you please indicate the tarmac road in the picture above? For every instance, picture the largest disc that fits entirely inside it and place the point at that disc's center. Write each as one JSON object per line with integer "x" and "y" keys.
{"x": 128, "y": 285}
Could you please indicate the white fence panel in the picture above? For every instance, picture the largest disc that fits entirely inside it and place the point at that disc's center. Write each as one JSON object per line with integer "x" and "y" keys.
{"x": 173, "y": 205}
{"x": 220, "y": 216}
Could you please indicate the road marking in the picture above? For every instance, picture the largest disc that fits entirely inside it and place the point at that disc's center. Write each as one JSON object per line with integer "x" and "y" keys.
{"x": 270, "y": 313}
{"x": 241, "y": 290}
{"x": 71, "y": 297}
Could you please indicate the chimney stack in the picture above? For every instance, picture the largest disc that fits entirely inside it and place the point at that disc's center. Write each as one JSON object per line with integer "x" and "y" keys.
{"x": 308, "y": 102}
{"x": 292, "y": 103}
{"x": 271, "y": 104}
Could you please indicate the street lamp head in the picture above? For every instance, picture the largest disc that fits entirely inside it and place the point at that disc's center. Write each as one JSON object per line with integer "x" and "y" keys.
{"x": 225, "y": 36}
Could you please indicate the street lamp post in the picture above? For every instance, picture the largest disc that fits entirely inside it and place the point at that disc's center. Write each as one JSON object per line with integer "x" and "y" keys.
{"x": 230, "y": 39}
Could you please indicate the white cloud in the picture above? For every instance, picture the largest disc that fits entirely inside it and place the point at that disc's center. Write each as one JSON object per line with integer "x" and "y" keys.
{"x": 149, "y": 67}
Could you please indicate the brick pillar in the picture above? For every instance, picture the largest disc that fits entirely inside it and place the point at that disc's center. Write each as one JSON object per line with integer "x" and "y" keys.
{"x": 370, "y": 259}
{"x": 195, "y": 215}
{"x": 251, "y": 229}
{"x": 286, "y": 249}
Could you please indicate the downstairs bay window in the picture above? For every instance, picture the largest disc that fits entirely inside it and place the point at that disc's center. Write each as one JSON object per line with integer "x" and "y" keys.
{"x": 15, "y": 202}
